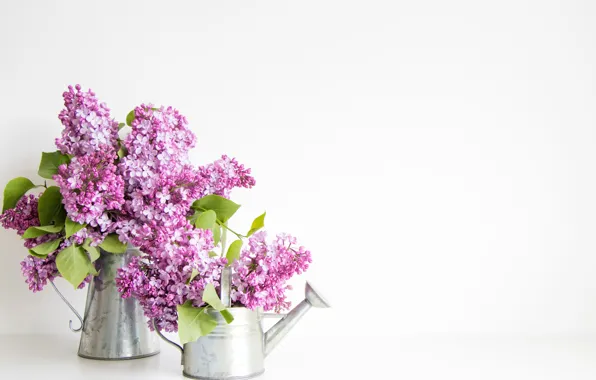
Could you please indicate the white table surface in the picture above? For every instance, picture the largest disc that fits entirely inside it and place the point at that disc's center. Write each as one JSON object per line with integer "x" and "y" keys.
{"x": 411, "y": 357}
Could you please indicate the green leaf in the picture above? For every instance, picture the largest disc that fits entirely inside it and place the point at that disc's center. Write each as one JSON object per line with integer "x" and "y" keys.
{"x": 257, "y": 224}
{"x": 212, "y": 254}
{"x": 223, "y": 207}
{"x": 92, "y": 270}
{"x": 46, "y": 248}
{"x": 50, "y": 161}
{"x": 73, "y": 227}
{"x": 212, "y": 299}
{"x": 122, "y": 152}
{"x": 14, "y": 190}
{"x": 130, "y": 117}
{"x": 206, "y": 220}
{"x": 234, "y": 251}
{"x": 121, "y": 125}
{"x": 227, "y": 316}
{"x": 216, "y": 234}
{"x": 50, "y": 205}
{"x": 73, "y": 264}
{"x": 193, "y": 218}
{"x": 193, "y": 323}
{"x": 113, "y": 245}
{"x": 33, "y": 232}
{"x": 60, "y": 217}
{"x": 193, "y": 274}
{"x": 36, "y": 255}
{"x": 92, "y": 251}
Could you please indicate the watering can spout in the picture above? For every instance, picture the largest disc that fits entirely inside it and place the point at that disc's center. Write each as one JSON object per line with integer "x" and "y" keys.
{"x": 282, "y": 327}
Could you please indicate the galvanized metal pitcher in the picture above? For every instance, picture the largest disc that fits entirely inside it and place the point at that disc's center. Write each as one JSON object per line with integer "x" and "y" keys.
{"x": 238, "y": 350}
{"x": 113, "y": 328}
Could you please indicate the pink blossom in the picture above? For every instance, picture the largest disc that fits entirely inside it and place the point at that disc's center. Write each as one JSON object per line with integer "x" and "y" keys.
{"x": 261, "y": 273}
{"x": 91, "y": 189}
{"x": 87, "y": 124}
{"x": 223, "y": 175}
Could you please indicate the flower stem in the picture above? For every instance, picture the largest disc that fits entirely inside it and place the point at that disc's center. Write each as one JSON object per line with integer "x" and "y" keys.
{"x": 223, "y": 240}
{"x": 225, "y": 226}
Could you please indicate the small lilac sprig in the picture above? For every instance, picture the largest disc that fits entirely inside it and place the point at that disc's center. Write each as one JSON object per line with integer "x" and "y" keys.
{"x": 22, "y": 216}
{"x": 223, "y": 175}
{"x": 260, "y": 274}
{"x": 88, "y": 126}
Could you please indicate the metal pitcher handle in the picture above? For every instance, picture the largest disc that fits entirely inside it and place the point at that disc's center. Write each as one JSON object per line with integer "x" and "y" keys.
{"x": 71, "y": 308}
{"x": 179, "y": 347}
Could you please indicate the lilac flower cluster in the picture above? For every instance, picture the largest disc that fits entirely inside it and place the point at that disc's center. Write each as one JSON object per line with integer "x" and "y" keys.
{"x": 87, "y": 124}
{"x": 38, "y": 272}
{"x": 158, "y": 146}
{"x": 223, "y": 175}
{"x": 22, "y": 216}
{"x": 160, "y": 183}
{"x": 261, "y": 273}
{"x": 161, "y": 281}
{"x": 91, "y": 188}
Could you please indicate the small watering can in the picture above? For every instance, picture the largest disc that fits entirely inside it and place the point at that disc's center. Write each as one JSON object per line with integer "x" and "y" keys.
{"x": 114, "y": 328}
{"x": 238, "y": 350}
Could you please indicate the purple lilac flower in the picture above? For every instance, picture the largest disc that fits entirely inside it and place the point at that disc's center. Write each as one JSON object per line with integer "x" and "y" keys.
{"x": 261, "y": 273}
{"x": 87, "y": 124}
{"x": 38, "y": 272}
{"x": 91, "y": 188}
{"x": 160, "y": 281}
{"x": 157, "y": 146}
{"x": 22, "y": 216}
{"x": 223, "y": 175}
{"x": 160, "y": 183}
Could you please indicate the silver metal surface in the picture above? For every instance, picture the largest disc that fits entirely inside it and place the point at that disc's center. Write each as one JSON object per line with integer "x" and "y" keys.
{"x": 225, "y": 288}
{"x": 237, "y": 350}
{"x": 114, "y": 328}
{"x": 274, "y": 315}
{"x": 233, "y": 351}
{"x": 71, "y": 308}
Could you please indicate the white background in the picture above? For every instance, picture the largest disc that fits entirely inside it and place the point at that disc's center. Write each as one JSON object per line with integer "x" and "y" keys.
{"x": 436, "y": 156}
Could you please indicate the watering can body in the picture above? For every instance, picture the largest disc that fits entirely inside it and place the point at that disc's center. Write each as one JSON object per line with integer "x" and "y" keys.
{"x": 238, "y": 350}
{"x": 113, "y": 328}
{"x": 234, "y": 351}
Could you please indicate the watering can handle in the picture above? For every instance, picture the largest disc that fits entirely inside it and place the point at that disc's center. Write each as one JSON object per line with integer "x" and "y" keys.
{"x": 169, "y": 341}
{"x": 71, "y": 308}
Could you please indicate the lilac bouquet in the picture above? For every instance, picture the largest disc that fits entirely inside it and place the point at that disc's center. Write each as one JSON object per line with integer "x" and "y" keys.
{"x": 120, "y": 184}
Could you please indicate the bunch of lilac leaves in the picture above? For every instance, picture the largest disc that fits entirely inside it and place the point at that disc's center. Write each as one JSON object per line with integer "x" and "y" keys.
{"x": 141, "y": 188}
